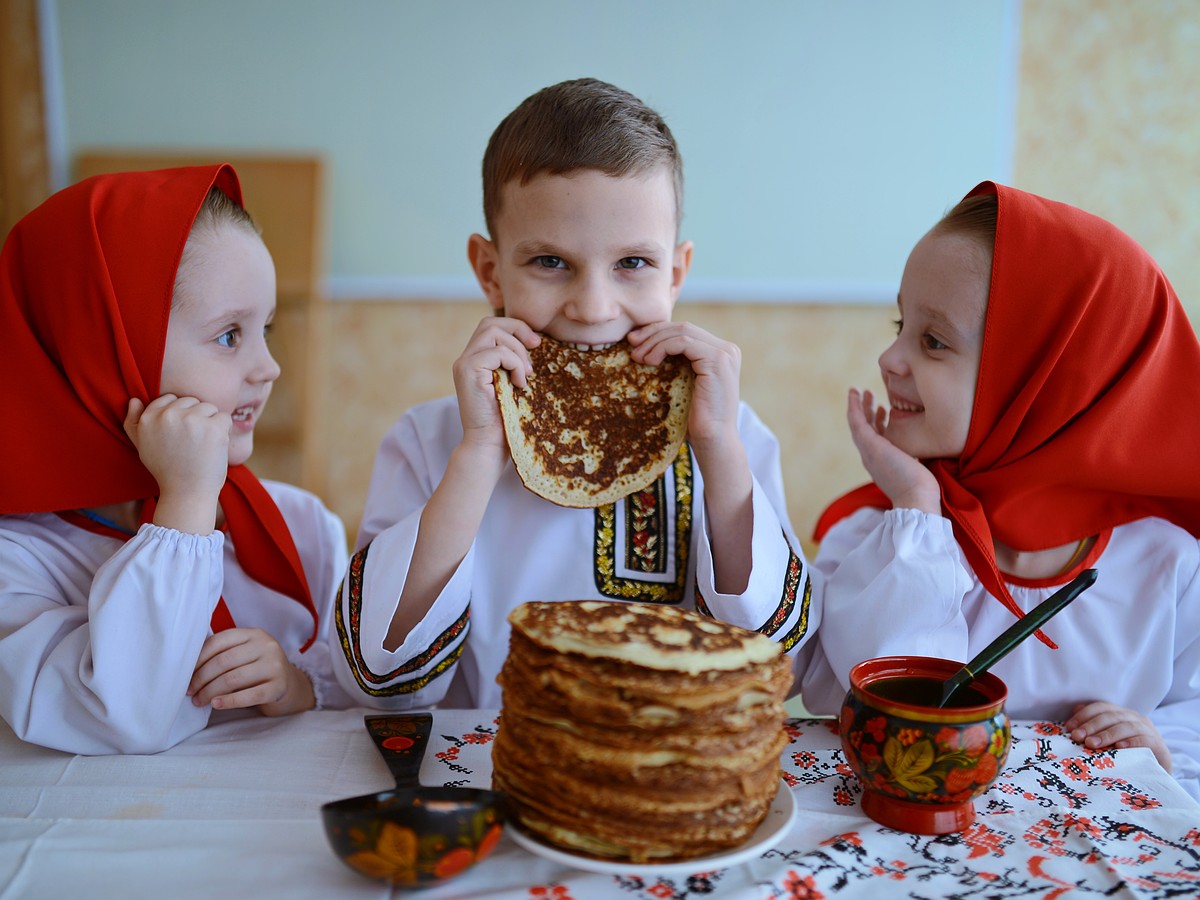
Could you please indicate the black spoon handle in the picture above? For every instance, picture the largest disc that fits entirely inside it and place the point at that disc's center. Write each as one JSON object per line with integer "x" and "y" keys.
{"x": 401, "y": 741}
{"x": 1014, "y": 634}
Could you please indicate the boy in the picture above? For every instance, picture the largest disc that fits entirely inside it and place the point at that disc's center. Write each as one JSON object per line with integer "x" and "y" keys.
{"x": 582, "y": 189}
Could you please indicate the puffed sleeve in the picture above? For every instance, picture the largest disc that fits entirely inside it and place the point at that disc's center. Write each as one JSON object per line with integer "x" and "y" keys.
{"x": 101, "y": 664}
{"x": 1178, "y": 716}
{"x": 892, "y": 583}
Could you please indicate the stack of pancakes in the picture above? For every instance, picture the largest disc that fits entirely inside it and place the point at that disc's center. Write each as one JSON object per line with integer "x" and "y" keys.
{"x": 636, "y": 732}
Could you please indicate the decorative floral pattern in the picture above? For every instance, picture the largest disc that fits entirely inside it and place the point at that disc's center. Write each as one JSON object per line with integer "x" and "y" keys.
{"x": 1060, "y": 821}
{"x": 398, "y": 855}
{"x": 920, "y": 761}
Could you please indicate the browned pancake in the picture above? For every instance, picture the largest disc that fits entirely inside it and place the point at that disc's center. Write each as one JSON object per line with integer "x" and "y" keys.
{"x": 593, "y": 426}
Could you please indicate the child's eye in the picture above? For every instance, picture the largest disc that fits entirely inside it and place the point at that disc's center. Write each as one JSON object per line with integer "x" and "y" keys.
{"x": 932, "y": 343}
{"x": 267, "y": 329}
{"x": 899, "y": 323}
{"x": 633, "y": 262}
{"x": 230, "y": 338}
{"x": 550, "y": 262}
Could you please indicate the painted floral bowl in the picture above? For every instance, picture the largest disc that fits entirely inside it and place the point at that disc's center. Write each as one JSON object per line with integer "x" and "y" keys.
{"x": 415, "y": 837}
{"x": 922, "y": 767}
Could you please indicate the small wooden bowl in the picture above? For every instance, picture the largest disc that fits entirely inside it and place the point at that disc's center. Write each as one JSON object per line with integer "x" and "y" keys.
{"x": 922, "y": 767}
{"x": 414, "y": 837}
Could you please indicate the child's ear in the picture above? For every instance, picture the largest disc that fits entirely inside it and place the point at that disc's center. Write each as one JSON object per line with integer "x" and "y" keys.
{"x": 680, "y": 264}
{"x": 484, "y": 261}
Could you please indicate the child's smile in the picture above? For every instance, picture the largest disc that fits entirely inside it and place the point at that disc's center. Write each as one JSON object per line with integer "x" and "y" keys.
{"x": 902, "y": 407}
{"x": 245, "y": 417}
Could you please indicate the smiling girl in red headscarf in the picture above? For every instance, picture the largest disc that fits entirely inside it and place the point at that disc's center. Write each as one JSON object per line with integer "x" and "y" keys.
{"x": 1043, "y": 391}
{"x": 146, "y": 576}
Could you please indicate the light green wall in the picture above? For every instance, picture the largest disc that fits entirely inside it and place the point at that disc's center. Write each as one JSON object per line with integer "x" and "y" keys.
{"x": 820, "y": 138}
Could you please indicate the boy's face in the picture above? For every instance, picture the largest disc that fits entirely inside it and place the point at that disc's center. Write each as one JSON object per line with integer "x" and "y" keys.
{"x": 931, "y": 369}
{"x": 585, "y": 257}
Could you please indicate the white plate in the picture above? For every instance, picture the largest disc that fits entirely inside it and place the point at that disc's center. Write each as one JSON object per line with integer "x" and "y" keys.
{"x": 769, "y": 833}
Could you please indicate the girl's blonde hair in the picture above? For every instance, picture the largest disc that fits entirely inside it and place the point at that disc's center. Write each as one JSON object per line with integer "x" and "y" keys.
{"x": 217, "y": 211}
{"x": 973, "y": 217}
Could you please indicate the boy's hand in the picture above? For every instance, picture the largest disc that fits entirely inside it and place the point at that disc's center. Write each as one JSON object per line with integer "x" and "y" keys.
{"x": 452, "y": 514}
{"x": 1099, "y": 725}
{"x": 184, "y": 443}
{"x": 905, "y": 480}
{"x": 498, "y": 343}
{"x": 717, "y": 364}
{"x": 713, "y": 436}
{"x": 243, "y": 667}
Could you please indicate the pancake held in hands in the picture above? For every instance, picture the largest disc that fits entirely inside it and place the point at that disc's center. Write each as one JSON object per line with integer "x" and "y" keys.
{"x": 594, "y": 426}
{"x": 637, "y": 732}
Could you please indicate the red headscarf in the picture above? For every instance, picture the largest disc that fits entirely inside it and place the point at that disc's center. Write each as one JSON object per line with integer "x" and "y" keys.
{"x": 86, "y": 281}
{"x": 1085, "y": 408}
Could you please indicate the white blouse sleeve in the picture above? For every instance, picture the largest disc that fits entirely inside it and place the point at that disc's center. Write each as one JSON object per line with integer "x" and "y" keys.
{"x": 1178, "y": 716}
{"x": 101, "y": 664}
{"x": 778, "y": 600}
{"x": 892, "y": 583}
{"x": 410, "y": 463}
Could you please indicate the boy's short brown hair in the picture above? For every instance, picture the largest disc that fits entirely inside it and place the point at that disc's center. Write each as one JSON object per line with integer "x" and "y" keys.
{"x": 572, "y": 125}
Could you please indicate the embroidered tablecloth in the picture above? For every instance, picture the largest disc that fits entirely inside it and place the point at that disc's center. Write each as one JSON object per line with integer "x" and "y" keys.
{"x": 1060, "y": 820}
{"x": 235, "y": 811}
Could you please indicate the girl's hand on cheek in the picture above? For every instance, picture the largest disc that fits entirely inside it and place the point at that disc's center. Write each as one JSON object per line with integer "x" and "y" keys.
{"x": 244, "y": 667}
{"x": 718, "y": 366}
{"x": 1099, "y": 725}
{"x": 184, "y": 444}
{"x": 498, "y": 343}
{"x": 905, "y": 479}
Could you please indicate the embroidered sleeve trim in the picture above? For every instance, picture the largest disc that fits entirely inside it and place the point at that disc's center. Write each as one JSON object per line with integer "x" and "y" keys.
{"x": 787, "y": 601}
{"x": 349, "y": 636}
{"x": 792, "y": 638}
{"x": 786, "y": 607}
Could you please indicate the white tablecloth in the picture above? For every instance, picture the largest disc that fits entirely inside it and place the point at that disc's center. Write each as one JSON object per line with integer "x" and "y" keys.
{"x": 235, "y": 812}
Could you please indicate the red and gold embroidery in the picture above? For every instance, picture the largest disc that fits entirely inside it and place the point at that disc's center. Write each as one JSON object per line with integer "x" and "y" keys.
{"x": 645, "y": 529}
{"x": 349, "y": 635}
{"x": 792, "y": 638}
{"x": 646, "y": 546}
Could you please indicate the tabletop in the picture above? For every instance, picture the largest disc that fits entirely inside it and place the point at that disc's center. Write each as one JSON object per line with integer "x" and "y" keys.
{"x": 235, "y": 811}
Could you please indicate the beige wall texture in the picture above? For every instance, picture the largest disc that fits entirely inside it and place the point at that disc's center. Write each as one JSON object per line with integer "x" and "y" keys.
{"x": 1107, "y": 119}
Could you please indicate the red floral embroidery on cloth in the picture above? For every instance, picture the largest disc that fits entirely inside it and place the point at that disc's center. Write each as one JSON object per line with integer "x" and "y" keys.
{"x": 999, "y": 855}
{"x": 1059, "y": 822}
